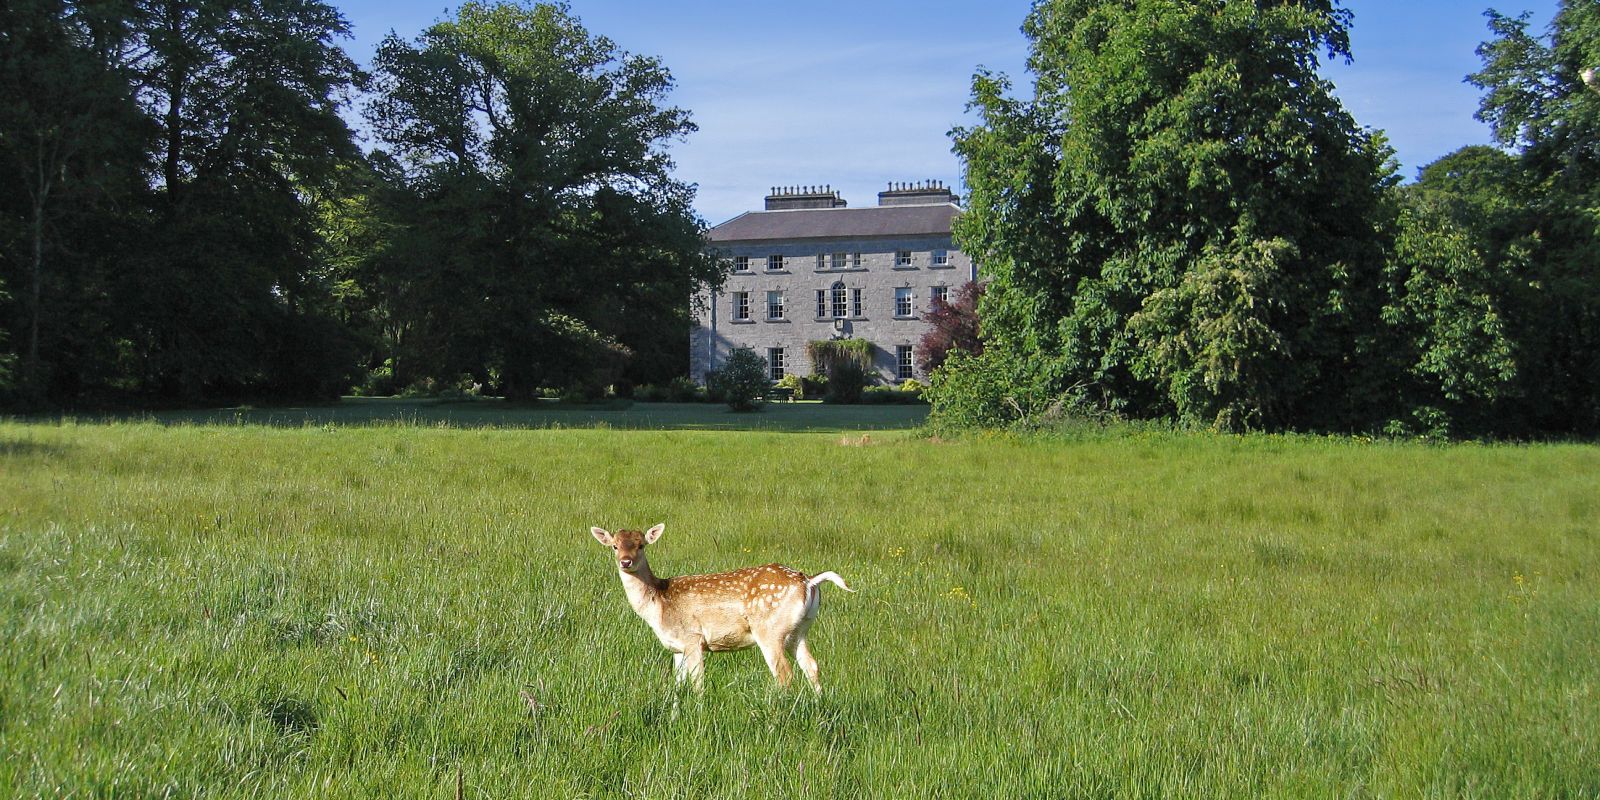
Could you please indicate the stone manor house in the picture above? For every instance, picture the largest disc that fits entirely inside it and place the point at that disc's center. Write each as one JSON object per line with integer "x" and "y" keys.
{"x": 809, "y": 267}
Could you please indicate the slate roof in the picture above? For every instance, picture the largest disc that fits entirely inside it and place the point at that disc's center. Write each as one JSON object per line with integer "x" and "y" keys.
{"x": 837, "y": 223}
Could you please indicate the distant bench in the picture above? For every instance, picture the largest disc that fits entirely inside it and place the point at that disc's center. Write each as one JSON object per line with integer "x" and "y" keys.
{"x": 776, "y": 394}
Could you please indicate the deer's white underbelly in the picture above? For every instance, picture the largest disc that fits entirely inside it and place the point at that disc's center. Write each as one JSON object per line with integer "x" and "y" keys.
{"x": 716, "y": 636}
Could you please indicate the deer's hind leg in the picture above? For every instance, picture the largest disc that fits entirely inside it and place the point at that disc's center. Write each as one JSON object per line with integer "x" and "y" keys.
{"x": 772, "y": 650}
{"x": 808, "y": 664}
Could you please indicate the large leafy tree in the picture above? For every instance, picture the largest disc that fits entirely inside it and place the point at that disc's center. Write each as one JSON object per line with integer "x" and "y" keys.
{"x": 1539, "y": 210}
{"x": 162, "y": 240}
{"x": 535, "y": 233}
{"x": 247, "y": 96}
{"x": 1181, "y": 218}
{"x": 1448, "y": 324}
{"x": 71, "y": 141}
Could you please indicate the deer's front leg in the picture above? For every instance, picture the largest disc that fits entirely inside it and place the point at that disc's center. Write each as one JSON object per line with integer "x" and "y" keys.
{"x": 691, "y": 664}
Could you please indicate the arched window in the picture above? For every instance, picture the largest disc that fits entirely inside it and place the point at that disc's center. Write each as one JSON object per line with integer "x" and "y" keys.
{"x": 839, "y": 300}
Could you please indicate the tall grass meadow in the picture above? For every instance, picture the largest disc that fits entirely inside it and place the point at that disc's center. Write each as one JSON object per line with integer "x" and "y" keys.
{"x": 404, "y": 610}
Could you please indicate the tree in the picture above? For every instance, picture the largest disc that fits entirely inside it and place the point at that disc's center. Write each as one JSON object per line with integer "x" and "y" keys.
{"x": 1540, "y": 104}
{"x": 6, "y": 358}
{"x": 1446, "y": 323}
{"x": 528, "y": 180}
{"x": 69, "y": 118}
{"x": 847, "y": 363}
{"x": 1182, "y": 219}
{"x": 247, "y": 96}
{"x": 955, "y": 327}
{"x": 742, "y": 381}
{"x": 171, "y": 152}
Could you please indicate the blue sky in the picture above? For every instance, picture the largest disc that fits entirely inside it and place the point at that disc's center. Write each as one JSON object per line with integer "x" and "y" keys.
{"x": 857, "y": 94}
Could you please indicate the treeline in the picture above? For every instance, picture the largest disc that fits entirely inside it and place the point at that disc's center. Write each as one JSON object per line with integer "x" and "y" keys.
{"x": 189, "y": 216}
{"x": 1183, "y": 222}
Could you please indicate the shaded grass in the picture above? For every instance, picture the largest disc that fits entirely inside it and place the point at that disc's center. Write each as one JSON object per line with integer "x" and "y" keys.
{"x": 808, "y": 417}
{"x": 246, "y": 611}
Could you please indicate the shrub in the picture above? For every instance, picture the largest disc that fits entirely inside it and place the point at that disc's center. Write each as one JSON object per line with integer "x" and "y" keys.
{"x": 846, "y": 381}
{"x": 379, "y": 381}
{"x": 742, "y": 382}
{"x": 567, "y": 353}
{"x": 650, "y": 393}
{"x": 826, "y": 354}
{"x": 575, "y": 395}
{"x": 954, "y": 327}
{"x": 683, "y": 390}
{"x": 794, "y": 383}
{"x": 422, "y": 387}
{"x": 815, "y": 384}
{"x": 847, "y": 365}
{"x": 465, "y": 388}
{"x": 890, "y": 395}
{"x": 715, "y": 392}
{"x": 971, "y": 391}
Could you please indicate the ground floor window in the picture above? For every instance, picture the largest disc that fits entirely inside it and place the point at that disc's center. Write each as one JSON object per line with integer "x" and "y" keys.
{"x": 775, "y": 363}
{"x": 905, "y": 368}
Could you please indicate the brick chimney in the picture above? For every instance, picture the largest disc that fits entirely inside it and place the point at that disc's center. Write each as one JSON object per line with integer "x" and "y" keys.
{"x": 921, "y": 193}
{"x": 788, "y": 198}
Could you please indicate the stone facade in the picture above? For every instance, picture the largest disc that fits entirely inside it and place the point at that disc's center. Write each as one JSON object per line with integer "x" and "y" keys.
{"x": 828, "y": 250}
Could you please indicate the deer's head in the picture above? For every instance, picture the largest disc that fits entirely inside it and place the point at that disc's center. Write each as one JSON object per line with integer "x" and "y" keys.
{"x": 628, "y": 545}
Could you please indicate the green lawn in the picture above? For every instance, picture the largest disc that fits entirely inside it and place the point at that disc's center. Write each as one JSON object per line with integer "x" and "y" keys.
{"x": 332, "y": 611}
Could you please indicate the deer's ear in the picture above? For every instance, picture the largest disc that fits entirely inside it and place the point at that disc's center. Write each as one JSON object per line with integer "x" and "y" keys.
{"x": 602, "y": 536}
{"x": 650, "y": 536}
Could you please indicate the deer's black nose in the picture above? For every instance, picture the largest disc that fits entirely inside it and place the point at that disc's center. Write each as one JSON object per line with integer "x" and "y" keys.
{"x": 627, "y": 563}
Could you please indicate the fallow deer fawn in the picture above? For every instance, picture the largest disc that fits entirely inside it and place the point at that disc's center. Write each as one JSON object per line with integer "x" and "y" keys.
{"x": 770, "y": 607}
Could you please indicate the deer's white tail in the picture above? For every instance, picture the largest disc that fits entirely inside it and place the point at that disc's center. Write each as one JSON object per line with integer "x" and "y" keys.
{"x": 831, "y": 577}
{"x": 814, "y": 594}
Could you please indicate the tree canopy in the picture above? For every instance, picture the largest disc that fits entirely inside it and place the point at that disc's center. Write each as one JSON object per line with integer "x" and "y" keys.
{"x": 1182, "y": 218}
{"x": 195, "y": 220}
{"x": 1182, "y": 221}
{"x": 530, "y": 196}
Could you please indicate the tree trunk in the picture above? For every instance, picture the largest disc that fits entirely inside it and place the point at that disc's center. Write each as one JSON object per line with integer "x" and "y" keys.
{"x": 40, "y": 197}
{"x": 30, "y": 366}
{"x": 175, "y": 78}
{"x": 174, "y": 140}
